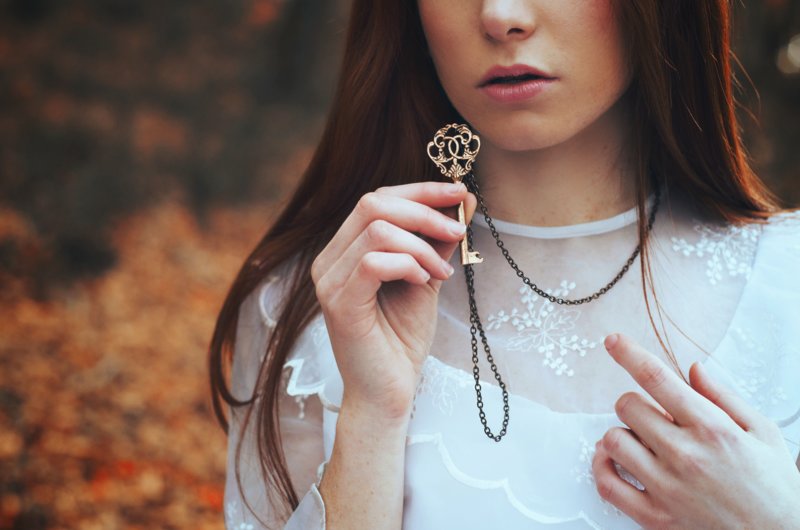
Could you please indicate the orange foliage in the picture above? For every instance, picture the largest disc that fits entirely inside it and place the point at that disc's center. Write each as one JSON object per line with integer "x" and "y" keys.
{"x": 104, "y": 409}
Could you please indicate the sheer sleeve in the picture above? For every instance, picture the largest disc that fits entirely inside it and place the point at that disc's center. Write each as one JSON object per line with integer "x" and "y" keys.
{"x": 301, "y": 418}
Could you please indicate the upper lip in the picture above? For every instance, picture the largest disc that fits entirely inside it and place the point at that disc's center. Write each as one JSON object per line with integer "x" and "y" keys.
{"x": 510, "y": 71}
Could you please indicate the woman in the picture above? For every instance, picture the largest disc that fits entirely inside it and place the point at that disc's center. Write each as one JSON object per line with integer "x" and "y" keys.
{"x": 608, "y": 141}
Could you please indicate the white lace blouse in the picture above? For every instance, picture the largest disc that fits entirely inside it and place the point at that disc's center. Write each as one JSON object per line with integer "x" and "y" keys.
{"x": 729, "y": 291}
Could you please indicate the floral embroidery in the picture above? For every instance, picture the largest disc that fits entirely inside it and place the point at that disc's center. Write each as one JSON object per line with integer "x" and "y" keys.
{"x": 545, "y": 326}
{"x": 729, "y": 248}
{"x": 756, "y": 371}
{"x": 583, "y": 472}
{"x": 440, "y": 385}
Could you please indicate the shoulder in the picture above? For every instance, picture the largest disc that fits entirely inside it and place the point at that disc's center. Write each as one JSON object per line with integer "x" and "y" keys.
{"x": 770, "y": 247}
{"x": 760, "y": 351}
{"x": 779, "y": 249}
{"x": 786, "y": 223}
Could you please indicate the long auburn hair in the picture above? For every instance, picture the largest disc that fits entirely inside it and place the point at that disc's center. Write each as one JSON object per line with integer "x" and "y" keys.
{"x": 388, "y": 102}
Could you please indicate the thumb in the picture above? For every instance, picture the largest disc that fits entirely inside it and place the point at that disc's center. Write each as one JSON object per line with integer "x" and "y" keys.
{"x": 744, "y": 414}
{"x": 446, "y": 250}
{"x": 470, "y": 205}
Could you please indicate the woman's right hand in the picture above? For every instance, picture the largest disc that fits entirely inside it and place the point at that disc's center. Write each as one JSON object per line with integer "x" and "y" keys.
{"x": 377, "y": 282}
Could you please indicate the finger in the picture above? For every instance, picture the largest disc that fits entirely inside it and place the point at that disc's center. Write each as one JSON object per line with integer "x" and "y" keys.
{"x": 648, "y": 423}
{"x": 625, "y": 448}
{"x": 614, "y": 489}
{"x": 742, "y": 413}
{"x": 360, "y": 290}
{"x": 430, "y": 192}
{"x": 470, "y": 205}
{"x": 670, "y": 391}
{"x": 414, "y": 211}
{"x": 383, "y": 236}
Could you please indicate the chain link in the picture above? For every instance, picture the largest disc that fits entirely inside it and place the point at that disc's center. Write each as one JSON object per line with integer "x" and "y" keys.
{"x": 474, "y": 318}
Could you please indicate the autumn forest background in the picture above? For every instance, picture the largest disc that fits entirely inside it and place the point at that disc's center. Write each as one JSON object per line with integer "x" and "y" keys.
{"x": 144, "y": 149}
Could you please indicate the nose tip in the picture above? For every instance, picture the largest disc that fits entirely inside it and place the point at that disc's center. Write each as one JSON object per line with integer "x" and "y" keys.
{"x": 506, "y": 20}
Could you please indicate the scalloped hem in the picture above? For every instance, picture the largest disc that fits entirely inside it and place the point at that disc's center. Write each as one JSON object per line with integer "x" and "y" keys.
{"x": 464, "y": 478}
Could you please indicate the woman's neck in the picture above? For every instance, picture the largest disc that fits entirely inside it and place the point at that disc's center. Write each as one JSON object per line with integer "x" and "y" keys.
{"x": 586, "y": 178}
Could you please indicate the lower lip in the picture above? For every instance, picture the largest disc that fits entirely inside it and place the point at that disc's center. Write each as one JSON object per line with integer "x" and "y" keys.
{"x": 514, "y": 92}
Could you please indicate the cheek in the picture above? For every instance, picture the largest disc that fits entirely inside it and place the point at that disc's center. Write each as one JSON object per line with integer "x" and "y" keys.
{"x": 441, "y": 29}
{"x": 444, "y": 23}
{"x": 598, "y": 58}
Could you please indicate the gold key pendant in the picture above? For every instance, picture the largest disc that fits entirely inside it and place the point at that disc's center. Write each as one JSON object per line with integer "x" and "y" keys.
{"x": 453, "y": 150}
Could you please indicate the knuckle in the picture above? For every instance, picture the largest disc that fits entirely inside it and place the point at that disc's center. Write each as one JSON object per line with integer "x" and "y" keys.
{"x": 369, "y": 204}
{"x": 718, "y": 436}
{"x": 432, "y": 188}
{"x": 721, "y": 437}
{"x": 653, "y": 374}
{"x": 624, "y": 402}
{"x": 378, "y": 231}
{"x": 321, "y": 291}
{"x": 689, "y": 461}
{"x": 672, "y": 489}
{"x": 605, "y": 488}
{"x": 659, "y": 519}
{"x": 432, "y": 217}
{"x": 612, "y": 439}
{"x": 314, "y": 270}
{"x": 370, "y": 262}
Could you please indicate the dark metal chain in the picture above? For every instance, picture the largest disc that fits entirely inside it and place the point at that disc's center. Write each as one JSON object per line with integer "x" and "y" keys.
{"x": 474, "y": 317}
{"x": 473, "y": 187}
{"x": 475, "y": 325}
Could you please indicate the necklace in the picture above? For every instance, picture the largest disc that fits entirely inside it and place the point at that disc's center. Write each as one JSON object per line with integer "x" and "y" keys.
{"x": 453, "y": 150}
{"x": 474, "y": 318}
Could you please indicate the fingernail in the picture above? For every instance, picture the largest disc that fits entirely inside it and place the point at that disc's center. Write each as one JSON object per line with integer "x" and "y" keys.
{"x": 448, "y": 268}
{"x": 611, "y": 341}
{"x": 700, "y": 368}
{"x": 457, "y": 229}
{"x": 455, "y": 188}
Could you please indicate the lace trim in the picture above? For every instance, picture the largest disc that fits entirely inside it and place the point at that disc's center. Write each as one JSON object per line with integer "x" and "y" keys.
{"x": 294, "y": 389}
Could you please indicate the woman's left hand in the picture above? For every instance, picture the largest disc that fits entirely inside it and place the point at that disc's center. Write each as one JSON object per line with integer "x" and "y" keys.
{"x": 706, "y": 458}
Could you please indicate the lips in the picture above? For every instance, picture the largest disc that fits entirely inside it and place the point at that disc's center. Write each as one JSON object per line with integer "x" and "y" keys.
{"x": 512, "y": 74}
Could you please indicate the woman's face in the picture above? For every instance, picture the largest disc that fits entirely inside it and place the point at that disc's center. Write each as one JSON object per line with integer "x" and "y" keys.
{"x": 575, "y": 44}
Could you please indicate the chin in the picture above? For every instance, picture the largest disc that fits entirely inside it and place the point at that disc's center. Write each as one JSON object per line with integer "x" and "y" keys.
{"x": 527, "y": 135}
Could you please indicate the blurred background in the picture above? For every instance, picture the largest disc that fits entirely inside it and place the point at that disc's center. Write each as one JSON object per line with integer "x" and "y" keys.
{"x": 144, "y": 149}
